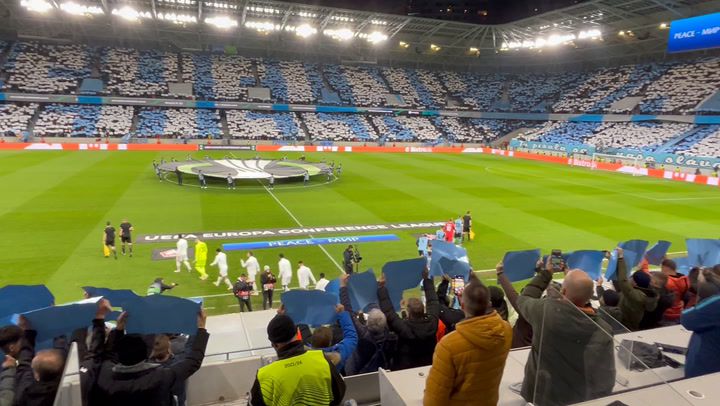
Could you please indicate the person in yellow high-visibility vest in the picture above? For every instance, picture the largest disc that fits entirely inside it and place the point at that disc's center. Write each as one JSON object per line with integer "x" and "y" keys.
{"x": 201, "y": 251}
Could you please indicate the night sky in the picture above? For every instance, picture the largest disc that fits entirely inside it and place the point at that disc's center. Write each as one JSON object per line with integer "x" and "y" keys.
{"x": 472, "y": 11}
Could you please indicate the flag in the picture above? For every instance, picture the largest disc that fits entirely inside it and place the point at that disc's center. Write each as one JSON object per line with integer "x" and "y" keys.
{"x": 106, "y": 251}
{"x": 472, "y": 235}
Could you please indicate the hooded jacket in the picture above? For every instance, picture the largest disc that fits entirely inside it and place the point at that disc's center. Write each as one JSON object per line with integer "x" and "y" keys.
{"x": 634, "y": 301}
{"x": 416, "y": 337}
{"x": 679, "y": 285}
{"x": 571, "y": 359}
{"x": 468, "y": 364}
{"x": 703, "y": 320}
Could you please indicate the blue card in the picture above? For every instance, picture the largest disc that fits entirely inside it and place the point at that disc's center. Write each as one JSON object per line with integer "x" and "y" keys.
{"x": 449, "y": 259}
{"x": 18, "y": 299}
{"x": 703, "y": 251}
{"x": 117, "y": 297}
{"x": 587, "y": 260}
{"x": 362, "y": 289}
{"x": 520, "y": 265}
{"x": 312, "y": 307}
{"x": 157, "y": 314}
{"x": 56, "y": 321}
{"x": 657, "y": 252}
{"x": 401, "y": 276}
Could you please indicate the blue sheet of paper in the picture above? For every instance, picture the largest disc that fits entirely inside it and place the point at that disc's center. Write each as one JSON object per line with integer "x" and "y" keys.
{"x": 634, "y": 251}
{"x": 520, "y": 265}
{"x": 703, "y": 251}
{"x": 117, "y": 297}
{"x": 657, "y": 252}
{"x": 18, "y": 299}
{"x": 449, "y": 259}
{"x": 333, "y": 287}
{"x": 55, "y": 321}
{"x": 401, "y": 276}
{"x": 587, "y": 260}
{"x": 311, "y": 307}
{"x": 157, "y": 314}
{"x": 611, "y": 270}
{"x": 362, "y": 289}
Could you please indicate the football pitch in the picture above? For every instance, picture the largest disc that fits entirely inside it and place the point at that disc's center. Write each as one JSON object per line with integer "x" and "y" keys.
{"x": 54, "y": 205}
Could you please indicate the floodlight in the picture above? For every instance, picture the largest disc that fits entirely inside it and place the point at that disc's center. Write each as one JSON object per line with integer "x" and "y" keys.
{"x": 73, "y": 8}
{"x": 222, "y": 22}
{"x": 340, "y": 34}
{"x": 376, "y": 37}
{"x": 305, "y": 30}
{"x": 127, "y": 13}
{"x": 39, "y": 6}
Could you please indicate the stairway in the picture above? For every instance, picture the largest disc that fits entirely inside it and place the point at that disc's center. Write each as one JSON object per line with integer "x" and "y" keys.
{"x": 668, "y": 145}
{"x": 304, "y": 127}
{"x": 33, "y": 120}
{"x": 505, "y": 139}
{"x": 135, "y": 120}
{"x": 224, "y": 125}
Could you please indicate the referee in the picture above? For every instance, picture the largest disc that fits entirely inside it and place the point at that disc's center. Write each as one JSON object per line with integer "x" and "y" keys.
{"x": 126, "y": 236}
{"x": 109, "y": 238}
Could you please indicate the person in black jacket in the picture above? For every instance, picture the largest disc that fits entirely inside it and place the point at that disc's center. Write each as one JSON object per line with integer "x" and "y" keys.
{"x": 38, "y": 375}
{"x": 268, "y": 281}
{"x": 449, "y": 316}
{"x": 133, "y": 381}
{"x": 522, "y": 330}
{"x": 242, "y": 290}
{"x": 653, "y": 318}
{"x": 376, "y": 343}
{"x": 417, "y": 334}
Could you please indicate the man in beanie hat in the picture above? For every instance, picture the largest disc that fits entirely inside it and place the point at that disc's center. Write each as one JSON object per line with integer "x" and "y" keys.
{"x": 637, "y": 296}
{"x": 134, "y": 381}
{"x": 299, "y": 376}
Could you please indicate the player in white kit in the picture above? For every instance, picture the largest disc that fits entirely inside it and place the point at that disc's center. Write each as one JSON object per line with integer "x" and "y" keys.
{"x": 285, "y": 272}
{"x": 252, "y": 266}
{"x": 181, "y": 254}
{"x": 222, "y": 264}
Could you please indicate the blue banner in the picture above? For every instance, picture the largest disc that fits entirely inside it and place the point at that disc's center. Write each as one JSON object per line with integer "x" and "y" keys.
{"x": 550, "y": 146}
{"x": 692, "y": 34}
{"x": 257, "y": 245}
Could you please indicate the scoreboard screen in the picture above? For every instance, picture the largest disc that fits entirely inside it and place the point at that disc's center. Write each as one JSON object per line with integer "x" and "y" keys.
{"x": 692, "y": 34}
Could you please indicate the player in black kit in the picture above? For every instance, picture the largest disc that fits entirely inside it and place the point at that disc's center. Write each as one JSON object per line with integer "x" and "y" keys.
{"x": 126, "y": 236}
{"x": 109, "y": 238}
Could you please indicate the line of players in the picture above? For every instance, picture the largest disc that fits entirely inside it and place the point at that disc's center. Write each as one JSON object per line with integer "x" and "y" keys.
{"x": 250, "y": 263}
{"x": 454, "y": 231}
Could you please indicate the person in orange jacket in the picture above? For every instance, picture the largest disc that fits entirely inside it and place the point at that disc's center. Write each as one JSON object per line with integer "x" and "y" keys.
{"x": 468, "y": 364}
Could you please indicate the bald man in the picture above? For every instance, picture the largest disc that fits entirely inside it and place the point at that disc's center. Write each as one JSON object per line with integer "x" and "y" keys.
{"x": 37, "y": 377}
{"x": 572, "y": 358}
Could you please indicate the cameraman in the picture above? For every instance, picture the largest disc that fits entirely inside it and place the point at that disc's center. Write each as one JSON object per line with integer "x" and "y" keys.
{"x": 349, "y": 259}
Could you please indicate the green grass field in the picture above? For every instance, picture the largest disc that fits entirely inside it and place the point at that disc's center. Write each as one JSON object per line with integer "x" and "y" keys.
{"x": 54, "y": 206}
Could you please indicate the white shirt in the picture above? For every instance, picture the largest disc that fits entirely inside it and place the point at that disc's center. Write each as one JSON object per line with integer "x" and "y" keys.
{"x": 321, "y": 284}
{"x": 221, "y": 262}
{"x": 181, "y": 249}
{"x": 305, "y": 276}
{"x": 252, "y": 266}
{"x": 285, "y": 273}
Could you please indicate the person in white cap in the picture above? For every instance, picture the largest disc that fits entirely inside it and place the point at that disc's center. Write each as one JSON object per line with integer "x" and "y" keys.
{"x": 267, "y": 279}
{"x": 252, "y": 266}
{"x": 285, "y": 272}
{"x": 221, "y": 262}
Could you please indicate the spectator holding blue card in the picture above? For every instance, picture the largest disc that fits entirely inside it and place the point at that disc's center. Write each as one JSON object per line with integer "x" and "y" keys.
{"x": 637, "y": 296}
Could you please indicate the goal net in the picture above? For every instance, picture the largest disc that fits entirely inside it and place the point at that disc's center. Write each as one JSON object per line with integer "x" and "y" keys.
{"x": 608, "y": 162}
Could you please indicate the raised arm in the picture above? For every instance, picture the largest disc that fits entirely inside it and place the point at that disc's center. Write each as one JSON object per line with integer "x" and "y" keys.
{"x": 530, "y": 305}
{"x": 507, "y": 286}
{"x": 193, "y": 360}
{"x": 432, "y": 305}
{"x": 395, "y": 323}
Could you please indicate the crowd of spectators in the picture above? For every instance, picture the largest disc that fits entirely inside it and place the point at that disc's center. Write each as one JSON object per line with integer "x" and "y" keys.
{"x": 256, "y": 125}
{"x": 15, "y": 117}
{"x": 74, "y": 120}
{"x": 178, "y": 123}
{"x": 218, "y": 77}
{"x": 141, "y": 73}
{"x": 42, "y": 68}
{"x": 338, "y": 127}
{"x": 704, "y": 142}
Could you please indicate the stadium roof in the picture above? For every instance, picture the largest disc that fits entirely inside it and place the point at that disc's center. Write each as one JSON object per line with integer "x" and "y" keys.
{"x": 268, "y": 26}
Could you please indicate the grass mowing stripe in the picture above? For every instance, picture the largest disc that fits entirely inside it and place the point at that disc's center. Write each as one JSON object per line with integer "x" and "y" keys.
{"x": 300, "y": 224}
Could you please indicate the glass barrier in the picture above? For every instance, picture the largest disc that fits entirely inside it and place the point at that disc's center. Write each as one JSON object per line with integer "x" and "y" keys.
{"x": 582, "y": 352}
{"x": 69, "y": 393}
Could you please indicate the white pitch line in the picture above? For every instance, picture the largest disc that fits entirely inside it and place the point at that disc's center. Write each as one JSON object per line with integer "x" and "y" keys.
{"x": 300, "y": 225}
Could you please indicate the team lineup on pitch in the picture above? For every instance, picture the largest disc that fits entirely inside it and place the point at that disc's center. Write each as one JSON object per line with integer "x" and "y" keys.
{"x": 511, "y": 210}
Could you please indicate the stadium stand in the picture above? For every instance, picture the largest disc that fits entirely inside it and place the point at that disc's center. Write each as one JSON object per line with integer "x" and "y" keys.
{"x": 473, "y": 91}
{"x": 131, "y": 72}
{"x": 399, "y": 83}
{"x": 288, "y": 81}
{"x": 338, "y": 127}
{"x": 682, "y": 87}
{"x": 646, "y": 137}
{"x": 60, "y": 120}
{"x": 255, "y": 125}
{"x": 218, "y": 77}
{"x": 705, "y": 142}
{"x": 406, "y": 128}
{"x": 42, "y": 68}
{"x": 16, "y": 118}
{"x": 187, "y": 123}
{"x": 360, "y": 86}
